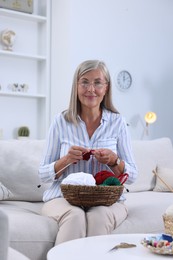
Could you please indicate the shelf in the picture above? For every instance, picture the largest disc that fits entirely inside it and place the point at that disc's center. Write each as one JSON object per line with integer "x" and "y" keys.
{"x": 24, "y": 16}
{"x": 21, "y": 55}
{"x": 20, "y": 94}
{"x": 28, "y": 62}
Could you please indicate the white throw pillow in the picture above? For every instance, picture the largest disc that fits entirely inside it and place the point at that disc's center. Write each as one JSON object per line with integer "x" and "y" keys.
{"x": 164, "y": 179}
{"x": 4, "y": 192}
{"x": 19, "y": 164}
{"x": 148, "y": 156}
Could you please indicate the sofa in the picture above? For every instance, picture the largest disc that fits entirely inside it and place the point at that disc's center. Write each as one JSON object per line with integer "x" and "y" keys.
{"x": 21, "y": 192}
{"x": 6, "y": 252}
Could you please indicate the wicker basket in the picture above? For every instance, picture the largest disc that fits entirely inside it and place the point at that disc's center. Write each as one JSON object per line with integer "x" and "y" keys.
{"x": 89, "y": 196}
{"x": 168, "y": 223}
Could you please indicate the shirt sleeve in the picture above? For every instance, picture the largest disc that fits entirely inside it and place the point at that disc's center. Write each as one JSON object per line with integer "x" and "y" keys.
{"x": 50, "y": 154}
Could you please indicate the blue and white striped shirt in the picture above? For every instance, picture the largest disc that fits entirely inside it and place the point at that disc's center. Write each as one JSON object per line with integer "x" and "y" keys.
{"x": 112, "y": 133}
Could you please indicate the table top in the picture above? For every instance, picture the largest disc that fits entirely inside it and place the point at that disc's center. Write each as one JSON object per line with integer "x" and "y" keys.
{"x": 98, "y": 247}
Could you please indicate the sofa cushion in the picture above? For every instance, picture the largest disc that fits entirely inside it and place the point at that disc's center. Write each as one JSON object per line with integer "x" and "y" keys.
{"x": 148, "y": 155}
{"x": 164, "y": 179}
{"x": 145, "y": 212}
{"x": 19, "y": 160}
{"x": 4, "y": 192}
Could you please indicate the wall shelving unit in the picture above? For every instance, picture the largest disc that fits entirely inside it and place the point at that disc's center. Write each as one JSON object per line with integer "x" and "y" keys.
{"x": 28, "y": 63}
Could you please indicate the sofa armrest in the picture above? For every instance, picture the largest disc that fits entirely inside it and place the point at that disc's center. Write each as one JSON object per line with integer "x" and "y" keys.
{"x": 4, "y": 237}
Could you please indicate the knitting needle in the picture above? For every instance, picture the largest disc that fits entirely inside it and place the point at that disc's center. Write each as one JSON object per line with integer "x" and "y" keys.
{"x": 63, "y": 168}
{"x": 163, "y": 181}
{"x": 67, "y": 165}
{"x": 38, "y": 186}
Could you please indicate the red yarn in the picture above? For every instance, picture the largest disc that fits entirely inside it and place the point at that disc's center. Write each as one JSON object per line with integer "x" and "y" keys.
{"x": 86, "y": 156}
{"x": 103, "y": 175}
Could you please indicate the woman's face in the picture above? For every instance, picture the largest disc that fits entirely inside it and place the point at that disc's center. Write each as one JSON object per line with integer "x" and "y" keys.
{"x": 92, "y": 87}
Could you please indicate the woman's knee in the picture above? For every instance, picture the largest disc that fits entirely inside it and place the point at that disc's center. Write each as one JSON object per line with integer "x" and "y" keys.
{"x": 75, "y": 215}
{"x": 103, "y": 220}
{"x": 60, "y": 210}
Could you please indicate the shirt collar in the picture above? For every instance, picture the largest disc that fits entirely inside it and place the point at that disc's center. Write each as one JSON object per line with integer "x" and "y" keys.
{"x": 105, "y": 115}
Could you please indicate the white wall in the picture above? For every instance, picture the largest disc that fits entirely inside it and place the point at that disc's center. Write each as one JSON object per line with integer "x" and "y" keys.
{"x": 136, "y": 35}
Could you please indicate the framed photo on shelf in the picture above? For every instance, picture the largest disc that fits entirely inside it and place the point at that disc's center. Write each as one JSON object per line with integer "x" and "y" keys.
{"x": 25, "y": 6}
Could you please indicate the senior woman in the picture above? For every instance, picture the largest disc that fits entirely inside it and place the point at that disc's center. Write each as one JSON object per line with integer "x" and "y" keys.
{"x": 92, "y": 124}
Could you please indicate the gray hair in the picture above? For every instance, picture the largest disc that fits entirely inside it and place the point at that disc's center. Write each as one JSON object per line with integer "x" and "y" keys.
{"x": 71, "y": 114}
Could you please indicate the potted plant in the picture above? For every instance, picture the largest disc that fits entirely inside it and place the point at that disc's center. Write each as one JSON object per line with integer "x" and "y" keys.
{"x": 23, "y": 132}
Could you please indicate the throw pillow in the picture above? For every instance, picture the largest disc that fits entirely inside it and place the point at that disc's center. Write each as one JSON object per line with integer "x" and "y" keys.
{"x": 4, "y": 192}
{"x": 19, "y": 163}
{"x": 147, "y": 155}
{"x": 164, "y": 179}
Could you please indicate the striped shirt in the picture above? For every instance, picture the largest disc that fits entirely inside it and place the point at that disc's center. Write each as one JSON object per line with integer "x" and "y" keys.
{"x": 112, "y": 133}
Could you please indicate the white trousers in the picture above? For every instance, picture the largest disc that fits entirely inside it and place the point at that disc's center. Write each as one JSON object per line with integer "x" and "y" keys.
{"x": 75, "y": 223}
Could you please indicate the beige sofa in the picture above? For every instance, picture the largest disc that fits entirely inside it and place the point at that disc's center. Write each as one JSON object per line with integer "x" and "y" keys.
{"x": 21, "y": 197}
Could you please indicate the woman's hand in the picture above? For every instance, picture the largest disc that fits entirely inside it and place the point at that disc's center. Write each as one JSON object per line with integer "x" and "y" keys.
{"x": 75, "y": 154}
{"x": 105, "y": 156}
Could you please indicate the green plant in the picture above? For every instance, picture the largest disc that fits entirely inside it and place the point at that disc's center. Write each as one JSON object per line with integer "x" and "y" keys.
{"x": 23, "y": 131}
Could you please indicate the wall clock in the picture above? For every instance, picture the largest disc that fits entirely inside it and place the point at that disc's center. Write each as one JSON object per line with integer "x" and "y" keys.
{"x": 124, "y": 80}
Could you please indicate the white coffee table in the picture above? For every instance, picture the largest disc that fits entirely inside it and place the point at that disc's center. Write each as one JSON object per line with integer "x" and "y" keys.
{"x": 97, "y": 248}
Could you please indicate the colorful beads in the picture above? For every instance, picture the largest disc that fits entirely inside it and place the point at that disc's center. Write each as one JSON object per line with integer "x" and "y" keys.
{"x": 159, "y": 241}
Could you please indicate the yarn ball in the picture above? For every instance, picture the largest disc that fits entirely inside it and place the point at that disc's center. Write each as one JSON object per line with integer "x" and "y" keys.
{"x": 86, "y": 156}
{"x": 111, "y": 181}
{"x": 103, "y": 175}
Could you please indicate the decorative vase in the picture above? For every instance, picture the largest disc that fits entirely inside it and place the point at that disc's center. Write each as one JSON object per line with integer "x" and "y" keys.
{"x": 7, "y": 38}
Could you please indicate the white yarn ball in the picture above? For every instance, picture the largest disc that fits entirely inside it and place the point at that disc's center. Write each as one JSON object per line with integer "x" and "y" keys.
{"x": 169, "y": 210}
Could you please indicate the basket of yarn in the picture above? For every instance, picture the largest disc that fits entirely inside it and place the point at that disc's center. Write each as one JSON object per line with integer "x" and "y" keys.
{"x": 168, "y": 220}
{"x": 105, "y": 190}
